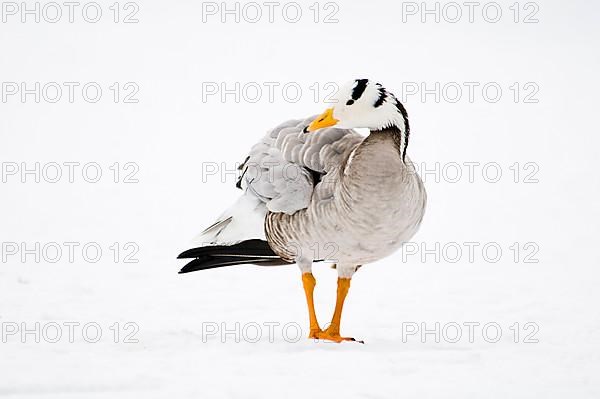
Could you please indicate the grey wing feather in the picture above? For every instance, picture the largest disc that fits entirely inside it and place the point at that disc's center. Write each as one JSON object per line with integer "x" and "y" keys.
{"x": 279, "y": 169}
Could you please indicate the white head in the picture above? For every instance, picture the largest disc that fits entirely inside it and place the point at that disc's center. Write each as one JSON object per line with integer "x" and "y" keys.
{"x": 362, "y": 103}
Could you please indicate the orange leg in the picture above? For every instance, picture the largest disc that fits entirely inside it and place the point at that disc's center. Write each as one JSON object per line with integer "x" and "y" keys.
{"x": 309, "y": 282}
{"x": 333, "y": 331}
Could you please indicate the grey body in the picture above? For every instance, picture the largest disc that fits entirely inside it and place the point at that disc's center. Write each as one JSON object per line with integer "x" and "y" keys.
{"x": 373, "y": 203}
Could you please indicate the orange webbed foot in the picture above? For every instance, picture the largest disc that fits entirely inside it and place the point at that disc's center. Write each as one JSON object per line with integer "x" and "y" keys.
{"x": 332, "y": 334}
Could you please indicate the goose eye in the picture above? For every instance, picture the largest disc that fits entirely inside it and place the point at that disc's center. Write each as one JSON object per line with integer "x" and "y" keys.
{"x": 350, "y": 102}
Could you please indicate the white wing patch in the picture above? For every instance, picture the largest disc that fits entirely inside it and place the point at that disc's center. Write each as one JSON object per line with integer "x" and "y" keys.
{"x": 280, "y": 168}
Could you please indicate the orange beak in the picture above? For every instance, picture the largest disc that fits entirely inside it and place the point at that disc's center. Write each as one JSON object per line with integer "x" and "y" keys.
{"x": 326, "y": 119}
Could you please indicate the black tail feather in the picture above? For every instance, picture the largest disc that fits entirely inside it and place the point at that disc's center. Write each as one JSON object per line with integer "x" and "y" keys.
{"x": 209, "y": 262}
{"x": 213, "y": 256}
{"x": 258, "y": 248}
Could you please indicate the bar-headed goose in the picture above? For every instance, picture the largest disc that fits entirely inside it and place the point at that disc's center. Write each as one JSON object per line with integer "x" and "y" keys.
{"x": 315, "y": 190}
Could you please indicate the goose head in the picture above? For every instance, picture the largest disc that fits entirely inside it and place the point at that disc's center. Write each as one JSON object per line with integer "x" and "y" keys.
{"x": 362, "y": 103}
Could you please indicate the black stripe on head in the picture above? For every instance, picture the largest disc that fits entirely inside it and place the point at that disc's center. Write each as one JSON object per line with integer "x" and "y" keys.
{"x": 382, "y": 96}
{"x": 359, "y": 89}
{"x": 402, "y": 110}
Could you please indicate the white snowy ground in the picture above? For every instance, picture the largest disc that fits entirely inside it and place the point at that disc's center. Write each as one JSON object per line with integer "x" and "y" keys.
{"x": 171, "y": 133}
{"x": 172, "y": 357}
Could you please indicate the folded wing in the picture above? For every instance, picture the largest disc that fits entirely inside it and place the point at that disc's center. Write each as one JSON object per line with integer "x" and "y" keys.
{"x": 287, "y": 168}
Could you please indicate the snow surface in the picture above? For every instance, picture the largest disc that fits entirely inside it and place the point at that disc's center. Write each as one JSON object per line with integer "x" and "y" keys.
{"x": 171, "y": 132}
